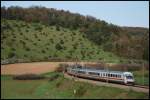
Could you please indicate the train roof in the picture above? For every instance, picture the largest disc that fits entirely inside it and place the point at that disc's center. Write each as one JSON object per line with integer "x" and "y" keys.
{"x": 89, "y": 69}
{"x": 97, "y": 70}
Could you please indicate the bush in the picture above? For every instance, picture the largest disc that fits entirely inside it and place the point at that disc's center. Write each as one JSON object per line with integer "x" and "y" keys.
{"x": 21, "y": 33}
{"x": 28, "y": 49}
{"x": 43, "y": 51}
{"x": 27, "y": 30}
{"x": 13, "y": 49}
{"x": 39, "y": 28}
{"x": 57, "y": 28}
{"x": 25, "y": 55}
{"x": 51, "y": 40}
{"x": 11, "y": 54}
{"x": 62, "y": 67}
{"x": 59, "y": 47}
{"x": 61, "y": 42}
{"x": 28, "y": 77}
{"x": 34, "y": 44}
{"x": 53, "y": 77}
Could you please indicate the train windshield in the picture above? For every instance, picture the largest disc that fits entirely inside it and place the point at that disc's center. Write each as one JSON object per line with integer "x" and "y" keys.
{"x": 129, "y": 77}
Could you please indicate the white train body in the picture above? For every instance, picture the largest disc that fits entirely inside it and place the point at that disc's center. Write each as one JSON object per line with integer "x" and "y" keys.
{"x": 115, "y": 76}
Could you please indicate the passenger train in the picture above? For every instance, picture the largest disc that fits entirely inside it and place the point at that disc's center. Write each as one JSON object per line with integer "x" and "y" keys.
{"x": 103, "y": 75}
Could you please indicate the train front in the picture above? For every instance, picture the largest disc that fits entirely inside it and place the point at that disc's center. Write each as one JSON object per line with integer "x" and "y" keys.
{"x": 128, "y": 78}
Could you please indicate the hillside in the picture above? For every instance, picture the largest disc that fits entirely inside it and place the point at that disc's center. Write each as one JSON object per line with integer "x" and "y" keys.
{"x": 47, "y": 33}
{"x": 34, "y": 41}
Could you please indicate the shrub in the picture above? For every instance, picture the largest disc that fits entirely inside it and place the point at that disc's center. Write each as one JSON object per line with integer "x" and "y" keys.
{"x": 28, "y": 26}
{"x": 53, "y": 77}
{"x": 62, "y": 67}
{"x": 46, "y": 48}
{"x": 51, "y": 40}
{"x": 13, "y": 39}
{"x": 34, "y": 44}
{"x": 28, "y": 49}
{"x": 28, "y": 77}
{"x": 43, "y": 51}
{"x": 21, "y": 33}
{"x": 58, "y": 46}
{"x": 14, "y": 36}
{"x": 25, "y": 55}
{"x": 27, "y": 30}
{"x": 74, "y": 33}
{"x": 57, "y": 28}
{"x": 26, "y": 38}
{"x": 38, "y": 27}
{"x": 61, "y": 42}
{"x": 35, "y": 35}
{"x": 11, "y": 54}
{"x": 13, "y": 49}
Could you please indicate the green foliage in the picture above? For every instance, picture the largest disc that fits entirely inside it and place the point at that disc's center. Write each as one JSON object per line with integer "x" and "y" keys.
{"x": 58, "y": 46}
{"x": 28, "y": 77}
{"x": 11, "y": 54}
{"x": 57, "y": 28}
{"x": 68, "y": 46}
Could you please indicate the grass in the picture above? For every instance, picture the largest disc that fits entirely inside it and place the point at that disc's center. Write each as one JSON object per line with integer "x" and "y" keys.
{"x": 61, "y": 88}
{"x": 23, "y": 41}
{"x": 138, "y": 75}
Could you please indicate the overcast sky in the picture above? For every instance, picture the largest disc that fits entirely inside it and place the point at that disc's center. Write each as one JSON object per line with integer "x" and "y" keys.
{"x": 122, "y": 13}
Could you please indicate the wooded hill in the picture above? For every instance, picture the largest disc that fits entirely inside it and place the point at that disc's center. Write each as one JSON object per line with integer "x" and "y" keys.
{"x": 127, "y": 42}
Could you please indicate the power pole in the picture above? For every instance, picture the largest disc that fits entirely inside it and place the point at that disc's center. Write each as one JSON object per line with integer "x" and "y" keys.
{"x": 143, "y": 72}
{"x": 107, "y": 70}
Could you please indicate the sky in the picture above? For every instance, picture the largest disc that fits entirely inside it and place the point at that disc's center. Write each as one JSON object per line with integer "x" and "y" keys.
{"x": 122, "y": 13}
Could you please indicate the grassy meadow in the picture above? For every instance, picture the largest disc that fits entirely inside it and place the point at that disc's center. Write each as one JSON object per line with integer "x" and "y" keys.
{"x": 61, "y": 88}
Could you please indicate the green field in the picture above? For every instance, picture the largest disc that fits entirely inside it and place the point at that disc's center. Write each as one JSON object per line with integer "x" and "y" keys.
{"x": 61, "y": 88}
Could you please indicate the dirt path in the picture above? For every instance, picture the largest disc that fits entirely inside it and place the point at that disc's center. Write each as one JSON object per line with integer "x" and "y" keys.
{"x": 35, "y": 68}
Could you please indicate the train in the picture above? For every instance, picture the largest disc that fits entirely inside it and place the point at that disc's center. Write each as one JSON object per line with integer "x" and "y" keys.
{"x": 102, "y": 75}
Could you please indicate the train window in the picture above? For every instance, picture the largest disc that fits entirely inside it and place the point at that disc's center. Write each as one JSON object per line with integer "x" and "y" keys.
{"x": 103, "y": 74}
{"x": 81, "y": 72}
{"x": 112, "y": 75}
{"x": 115, "y": 75}
{"x": 93, "y": 73}
{"x": 108, "y": 75}
{"x": 119, "y": 76}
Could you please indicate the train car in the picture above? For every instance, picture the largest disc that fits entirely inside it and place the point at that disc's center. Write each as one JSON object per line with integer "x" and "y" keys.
{"x": 103, "y": 75}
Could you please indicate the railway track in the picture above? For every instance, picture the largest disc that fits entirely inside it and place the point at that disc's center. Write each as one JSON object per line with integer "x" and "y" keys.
{"x": 138, "y": 88}
{"x": 141, "y": 86}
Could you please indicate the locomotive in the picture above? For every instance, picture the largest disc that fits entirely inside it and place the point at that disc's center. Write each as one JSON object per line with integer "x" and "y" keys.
{"x": 102, "y": 75}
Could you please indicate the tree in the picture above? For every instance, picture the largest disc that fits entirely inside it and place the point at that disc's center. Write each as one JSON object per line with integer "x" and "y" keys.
{"x": 57, "y": 28}
{"x": 11, "y": 55}
{"x": 58, "y": 46}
